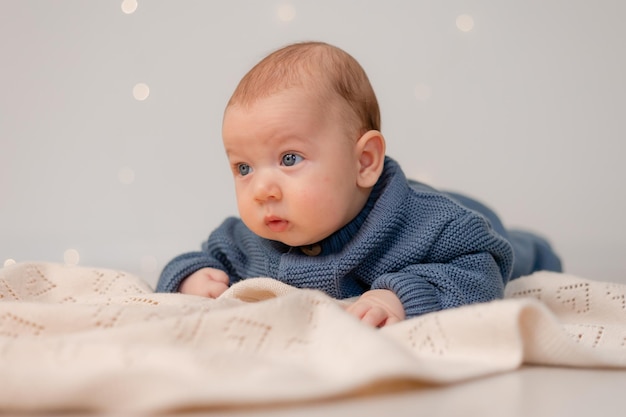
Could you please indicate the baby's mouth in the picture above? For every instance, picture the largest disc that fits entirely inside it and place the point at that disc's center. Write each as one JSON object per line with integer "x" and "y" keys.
{"x": 276, "y": 224}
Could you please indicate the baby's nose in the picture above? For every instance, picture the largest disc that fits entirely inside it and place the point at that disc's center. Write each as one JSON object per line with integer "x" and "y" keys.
{"x": 266, "y": 187}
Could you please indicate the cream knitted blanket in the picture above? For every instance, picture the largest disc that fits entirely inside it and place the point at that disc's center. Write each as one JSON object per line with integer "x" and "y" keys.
{"x": 75, "y": 338}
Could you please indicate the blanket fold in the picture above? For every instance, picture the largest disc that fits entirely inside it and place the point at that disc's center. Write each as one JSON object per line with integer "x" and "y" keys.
{"x": 78, "y": 338}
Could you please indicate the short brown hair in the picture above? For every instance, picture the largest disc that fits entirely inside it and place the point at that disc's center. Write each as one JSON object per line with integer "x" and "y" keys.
{"x": 315, "y": 65}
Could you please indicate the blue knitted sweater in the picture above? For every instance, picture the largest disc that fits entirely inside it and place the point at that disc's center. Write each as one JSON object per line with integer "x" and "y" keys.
{"x": 431, "y": 251}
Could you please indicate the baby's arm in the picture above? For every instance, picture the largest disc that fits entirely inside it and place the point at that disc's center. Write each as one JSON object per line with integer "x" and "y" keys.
{"x": 378, "y": 308}
{"x": 206, "y": 282}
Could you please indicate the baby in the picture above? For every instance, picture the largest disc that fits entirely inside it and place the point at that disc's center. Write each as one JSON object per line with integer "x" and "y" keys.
{"x": 321, "y": 205}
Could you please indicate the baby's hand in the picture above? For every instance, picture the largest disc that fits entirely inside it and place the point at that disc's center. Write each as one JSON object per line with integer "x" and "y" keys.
{"x": 378, "y": 308}
{"x": 207, "y": 282}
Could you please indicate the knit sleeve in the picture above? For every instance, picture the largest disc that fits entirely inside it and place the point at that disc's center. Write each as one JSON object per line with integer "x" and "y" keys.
{"x": 467, "y": 263}
{"x": 218, "y": 251}
{"x": 181, "y": 267}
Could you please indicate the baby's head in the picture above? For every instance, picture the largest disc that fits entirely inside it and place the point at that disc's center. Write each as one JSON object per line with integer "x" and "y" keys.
{"x": 301, "y": 132}
{"x": 325, "y": 71}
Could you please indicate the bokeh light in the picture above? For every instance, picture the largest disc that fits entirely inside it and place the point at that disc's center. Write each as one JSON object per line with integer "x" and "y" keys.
{"x": 129, "y": 6}
{"x": 126, "y": 175}
{"x": 465, "y": 23}
{"x": 71, "y": 257}
{"x": 148, "y": 264}
{"x": 141, "y": 91}
{"x": 286, "y": 12}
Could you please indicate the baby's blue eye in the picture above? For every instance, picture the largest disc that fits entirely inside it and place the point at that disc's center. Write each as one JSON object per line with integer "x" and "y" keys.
{"x": 244, "y": 169}
{"x": 290, "y": 159}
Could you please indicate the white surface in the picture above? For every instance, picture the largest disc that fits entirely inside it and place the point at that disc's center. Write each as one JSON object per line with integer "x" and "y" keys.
{"x": 524, "y": 111}
{"x": 531, "y": 391}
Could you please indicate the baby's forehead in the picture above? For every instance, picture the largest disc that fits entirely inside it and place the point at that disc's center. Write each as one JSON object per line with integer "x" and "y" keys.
{"x": 314, "y": 85}
{"x": 312, "y": 95}
{"x": 290, "y": 110}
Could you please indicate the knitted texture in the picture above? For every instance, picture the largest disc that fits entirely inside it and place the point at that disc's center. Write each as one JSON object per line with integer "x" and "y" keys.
{"x": 98, "y": 342}
{"x": 420, "y": 243}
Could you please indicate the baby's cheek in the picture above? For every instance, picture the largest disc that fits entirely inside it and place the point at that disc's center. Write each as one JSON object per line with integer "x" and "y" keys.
{"x": 314, "y": 199}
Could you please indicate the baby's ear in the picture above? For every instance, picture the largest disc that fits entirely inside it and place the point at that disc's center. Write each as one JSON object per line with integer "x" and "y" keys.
{"x": 370, "y": 150}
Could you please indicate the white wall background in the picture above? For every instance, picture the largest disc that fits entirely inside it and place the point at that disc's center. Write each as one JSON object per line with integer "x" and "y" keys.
{"x": 521, "y": 104}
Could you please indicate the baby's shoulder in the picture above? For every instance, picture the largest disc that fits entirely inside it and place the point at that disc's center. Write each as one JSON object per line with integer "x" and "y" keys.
{"x": 424, "y": 194}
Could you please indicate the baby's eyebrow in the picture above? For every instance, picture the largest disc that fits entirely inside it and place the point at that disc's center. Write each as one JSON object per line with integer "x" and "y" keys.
{"x": 230, "y": 153}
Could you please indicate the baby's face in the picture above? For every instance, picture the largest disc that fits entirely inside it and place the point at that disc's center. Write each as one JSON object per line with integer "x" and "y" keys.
{"x": 295, "y": 167}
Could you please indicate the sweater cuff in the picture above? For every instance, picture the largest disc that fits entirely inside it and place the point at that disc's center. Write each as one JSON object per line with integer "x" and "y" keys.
{"x": 180, "y": 268}
{"x": 416, "y": 295}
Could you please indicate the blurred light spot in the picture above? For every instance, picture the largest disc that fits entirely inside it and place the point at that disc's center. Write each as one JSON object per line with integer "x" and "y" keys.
{"x": 422, "y": 92}
{"x": 141, "y": 91}
{"x": 9, "y": 262}
{"x": 71, "y": 257}
{"x": 126, "y": 175}
{"x": 148, "y": 264}
{"x": 421, "y": 175}
{"x": 129, "y": 6}
{"x": 465, "y": 23}
{"x": 286, "y": 12}
{"x": 425, "y": 178}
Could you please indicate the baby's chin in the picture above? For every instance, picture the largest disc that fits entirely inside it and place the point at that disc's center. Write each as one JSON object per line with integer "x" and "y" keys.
{"x": 293, "y": 242}
{"x": 289, "y": 237}
{"x": 297, "y": 243}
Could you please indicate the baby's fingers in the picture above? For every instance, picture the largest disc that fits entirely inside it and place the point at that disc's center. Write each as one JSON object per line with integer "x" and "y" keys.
{"x": 390, "y": 320}
{"x": 219, "y": 276}
{"x": 375, "y": 316}
{"x": 358, "y": 309}
{"x": 214, "y": 289}
{"x": 371, "y": 315}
